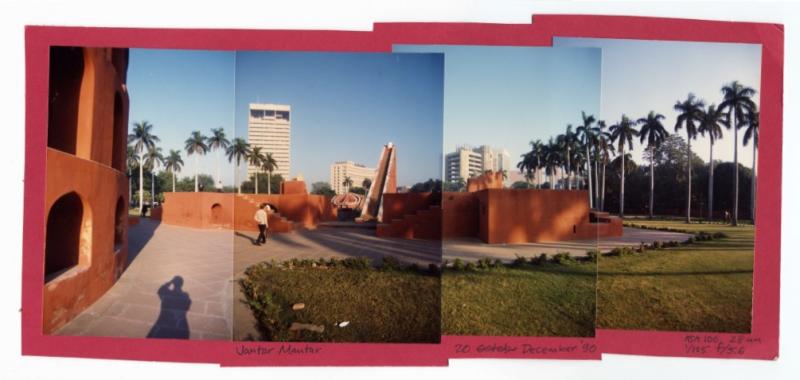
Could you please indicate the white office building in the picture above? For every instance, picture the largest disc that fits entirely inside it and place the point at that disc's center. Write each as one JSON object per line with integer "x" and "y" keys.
{"x": 269, "y": 126}
{"x": 467, "y": 162}
{"x": 357, "y": 173}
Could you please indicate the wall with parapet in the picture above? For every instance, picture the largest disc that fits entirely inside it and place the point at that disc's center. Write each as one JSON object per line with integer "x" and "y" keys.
{"x": 236, "y": 211}
{"x": 86, "y": 188}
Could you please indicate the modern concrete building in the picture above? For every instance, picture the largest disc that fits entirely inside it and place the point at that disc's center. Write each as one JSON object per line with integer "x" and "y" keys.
{"x": 467, "y": 162}
{"x": 357, "y": 172}
{"x": 270, "y": 127}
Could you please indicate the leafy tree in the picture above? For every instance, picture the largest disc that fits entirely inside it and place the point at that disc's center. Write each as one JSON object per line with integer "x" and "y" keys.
{"x": 142, "y": 138}
{"x": 196, "y": 145}
{"x": 366, "y": 183}
{"x": 654, "y": 132}
{"x": 173, "y": 164}
{"x": 358, "y": 190}
{"x": 690, "y": 113}
{"x": 520, "y": 185}
{"x": 216, "y": 142}
{"x": 238, "y": 151}
{"x": 711, "y": 122}
{"x": 256, "y": 159}
{"x": 322, "y": 188}
{"x": 431, "y": 185}
{"x": 622, "y": 133}
{"x": 737, "y": 102}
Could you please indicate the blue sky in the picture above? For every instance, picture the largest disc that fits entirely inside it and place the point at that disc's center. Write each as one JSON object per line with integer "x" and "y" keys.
{"x": 179, "y": 91}
{"x": 345, "y": 105}
{"x": 507, "y": 96}
{"x": 639, "y": 76}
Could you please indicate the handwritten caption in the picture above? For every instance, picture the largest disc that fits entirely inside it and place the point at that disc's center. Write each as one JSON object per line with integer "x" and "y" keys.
{"x": 525, "y": 349}
{"x": 284, "y": 349}
{"x": 736, "y": 345}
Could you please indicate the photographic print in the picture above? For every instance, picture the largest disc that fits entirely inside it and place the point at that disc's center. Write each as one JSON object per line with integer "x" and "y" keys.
{"x": 683, "y": 124}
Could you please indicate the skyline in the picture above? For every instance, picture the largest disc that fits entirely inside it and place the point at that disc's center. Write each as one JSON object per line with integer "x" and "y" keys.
{"x": 506, "y": 96}
{"x": 179, "y": 91}
{"x": 643, "y": 75}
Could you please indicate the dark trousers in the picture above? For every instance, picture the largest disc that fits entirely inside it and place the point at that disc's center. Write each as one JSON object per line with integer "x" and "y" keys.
{"x": 262, "y": 233}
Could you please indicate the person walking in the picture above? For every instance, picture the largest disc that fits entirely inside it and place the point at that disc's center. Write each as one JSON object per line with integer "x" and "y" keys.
{"x": 263, "y": 224}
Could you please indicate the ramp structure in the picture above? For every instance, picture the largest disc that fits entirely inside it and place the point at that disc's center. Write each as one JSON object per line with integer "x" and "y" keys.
{"x": 385, "y": 182}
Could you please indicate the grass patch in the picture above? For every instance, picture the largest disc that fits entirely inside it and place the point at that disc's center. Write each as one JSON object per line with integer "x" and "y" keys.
{"x": 387, "y": 304}
{"x": 533, "y": 298}
{"x": 705, "y": 285}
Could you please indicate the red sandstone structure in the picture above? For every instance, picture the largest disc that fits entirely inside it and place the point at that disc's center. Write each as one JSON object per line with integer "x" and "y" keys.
{"x": 385, "y": 182}
{"x": 86, "y": 185}
{"x": 496, "y": 215}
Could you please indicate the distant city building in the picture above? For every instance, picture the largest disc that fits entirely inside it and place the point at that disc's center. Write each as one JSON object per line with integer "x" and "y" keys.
{"x": 467, "y": 162}
{"x": 357, "y": 173}
{"x": 269, "y": 126}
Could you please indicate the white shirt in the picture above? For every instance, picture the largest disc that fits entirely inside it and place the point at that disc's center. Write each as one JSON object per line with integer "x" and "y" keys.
{"x": 261, "y": 217}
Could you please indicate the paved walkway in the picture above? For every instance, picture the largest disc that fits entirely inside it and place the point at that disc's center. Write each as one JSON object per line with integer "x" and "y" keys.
{"x": 178, "y": 285}
{"x": 474, "y": 248}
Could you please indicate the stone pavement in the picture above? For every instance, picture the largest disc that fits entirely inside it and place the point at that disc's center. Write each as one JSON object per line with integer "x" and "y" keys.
{"x": 474, "y": 248}
{"x": 178, "y": 285}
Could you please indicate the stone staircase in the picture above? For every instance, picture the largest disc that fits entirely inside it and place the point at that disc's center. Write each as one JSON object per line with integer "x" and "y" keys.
{"x": 424, "y": 224}
{"x": 277, "y": 222}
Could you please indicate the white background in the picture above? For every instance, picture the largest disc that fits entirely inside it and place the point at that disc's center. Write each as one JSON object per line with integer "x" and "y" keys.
{"x": 359, "y": 15}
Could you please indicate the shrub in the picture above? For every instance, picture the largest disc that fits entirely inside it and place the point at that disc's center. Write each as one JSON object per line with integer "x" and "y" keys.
{"x": 720, "y": 235}
{"x": 458, "y": 264}
{"x": 485, "y": 263}
{"x": 414, "y": 267}
{"x": 539, "y": 260}
{"x": 592, "y": 255}
{"x": 498, "y": 263}
{"x": 470, "y": 267}
{"x": 358, "y": 263}
{"x": 518, "y": 261}
{"x": 434, "y": 269}
{"x": 562, "y": 258}
{"x": 658, "y": 244}
{"x": 390, "y": 263}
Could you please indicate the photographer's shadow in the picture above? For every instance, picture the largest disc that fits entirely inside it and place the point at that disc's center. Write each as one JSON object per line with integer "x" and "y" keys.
{"x": 175, "y": 303}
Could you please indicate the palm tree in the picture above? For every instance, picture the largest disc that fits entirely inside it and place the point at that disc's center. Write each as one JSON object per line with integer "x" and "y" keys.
{"x": 173, "y": 163}
{"x": 347, "y": 183}
{"x": 552, "y": 160}
{"x": 621, "y": 133}
{"x": 604, "y": 149}
{"x": 690, "y": 113}
{"x": 712, "y": 120}
{"x": 132, "y": 162}
{"x": 737, "y": 102}
{"x": 216, "y": 142}
{"x": 588, "y": 135}
{"x": 752, "y": 133}
{"x": 142, "y": 138}
{"x": 269, "y": 165}
{"x": 567, "y": 143}
{"x": 238, "y": 150}
{"x": 654, "y": 132}
{"x": 152, "y": 159}
{"x": 196, "y": 144}
{"x": 256, "y": 159}
{"x": 537, "y": 151}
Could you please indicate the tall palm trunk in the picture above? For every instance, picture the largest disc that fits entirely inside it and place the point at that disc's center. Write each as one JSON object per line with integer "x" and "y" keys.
{"x": 753, "y": 186}
{"x": 596, "y": 188}
{"x": 735, "y": 220}
{"x": 173, "y": 181}
{"x": 153, "y": 187}
{"x": 569, "y": 172}
{"x": 269, "y": 182}
{"x": 589, "y": 173}
{"x": 622, "y": 184}
{"x": 652, "y": 179}
{"x": 196, "y": 170}
{"x": 218, "y": 182}
{"x": 256, "y": 180}
{"x": 711, "y": 182}
{"x": 141, "y": 187}
{"x": 689, "y": 193}
{"x": 130, "y": 189}
{"x": 603, "y": 187}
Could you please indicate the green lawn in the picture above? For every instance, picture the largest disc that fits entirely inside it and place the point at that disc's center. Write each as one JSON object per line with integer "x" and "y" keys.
{"x": 399, "y": 306}
{"x": 530, "y": 300}
{"x": 703, "y": 286}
